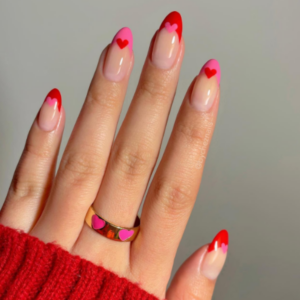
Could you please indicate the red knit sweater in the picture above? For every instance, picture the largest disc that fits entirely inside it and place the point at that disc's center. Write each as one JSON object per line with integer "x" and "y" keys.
{"x": 31, "y": 269}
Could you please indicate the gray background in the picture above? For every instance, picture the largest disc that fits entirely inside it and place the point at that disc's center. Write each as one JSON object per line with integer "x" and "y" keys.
{"x": 251, "y": 183}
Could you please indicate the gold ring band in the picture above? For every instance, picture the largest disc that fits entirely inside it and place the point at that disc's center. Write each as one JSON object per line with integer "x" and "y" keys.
{"x": 109, "y": 230}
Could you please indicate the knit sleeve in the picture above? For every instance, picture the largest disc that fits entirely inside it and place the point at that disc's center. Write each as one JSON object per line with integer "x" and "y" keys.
{"x": 31, "y": 269}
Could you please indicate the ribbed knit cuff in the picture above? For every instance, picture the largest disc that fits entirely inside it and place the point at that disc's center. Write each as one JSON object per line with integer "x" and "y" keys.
{"x": 31, "y": 269}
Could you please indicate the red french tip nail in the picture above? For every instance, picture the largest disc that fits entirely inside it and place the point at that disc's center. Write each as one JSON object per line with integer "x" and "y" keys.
{"x": 55, "y": 94}
{"x": 220, "y": 241}
{"x": 173, "y": 20}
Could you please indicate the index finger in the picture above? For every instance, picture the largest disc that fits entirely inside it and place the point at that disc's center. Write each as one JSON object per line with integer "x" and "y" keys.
{"x": 196, "y": 278}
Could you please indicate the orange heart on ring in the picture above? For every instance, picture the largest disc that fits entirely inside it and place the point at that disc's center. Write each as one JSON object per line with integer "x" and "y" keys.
{"x": 110, "y": 234}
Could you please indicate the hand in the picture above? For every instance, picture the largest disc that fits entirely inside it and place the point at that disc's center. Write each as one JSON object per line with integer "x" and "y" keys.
{"x": 112, "y": 175}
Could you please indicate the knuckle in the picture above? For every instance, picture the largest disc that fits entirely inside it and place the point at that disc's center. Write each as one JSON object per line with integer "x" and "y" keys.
{"x": 23, "y": 188}
{"x": 192, "y": 133}
{"x": 197, "y": 135}
{"x": 41, "y": 152}
{"x": 78, "y": 168}
{"x": 132, "y": 162}
{"x": 154, "y": 89}
{"x": 105, "y": 99}
{"x": 26, "y": 183}
{"x": 175, "y": 199}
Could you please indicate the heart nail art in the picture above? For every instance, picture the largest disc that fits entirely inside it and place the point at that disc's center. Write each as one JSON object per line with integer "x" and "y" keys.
{"x": 51, "y": 101}
{"x": 118, "y": 58}
{"x": 122, "y": 43}
{"x": 125, "y": 234}
{"x": 224, "y": 248}
{"x": 97, "y": 223}
{"x": 170, "y": 27}
{"x": 124, "y": 38}
{"x": 173, "y": 22}
{"x": 54, "y": 97}
{"x": 220, "y": 241}
{"x": 211, "y": 69}
{"x": 206, "y": 86}
{"x": 210, "y": 72}
{"x": 215, "y": 257}
{"x": 49, "y": 114}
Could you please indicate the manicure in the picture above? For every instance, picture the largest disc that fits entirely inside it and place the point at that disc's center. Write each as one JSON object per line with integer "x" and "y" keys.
{"x": 119, "y": 54}
{"x": 50, "y": 111}
{"x": 206, "y": 86}
{"x": 167, "y": 41}
{"x": 215, "y": 256}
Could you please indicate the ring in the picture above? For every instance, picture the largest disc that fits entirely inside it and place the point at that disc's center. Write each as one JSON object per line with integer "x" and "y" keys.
{"x": 109, "y": 230}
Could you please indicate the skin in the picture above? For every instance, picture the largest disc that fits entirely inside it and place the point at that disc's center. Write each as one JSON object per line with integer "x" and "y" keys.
{"x": 95, "y": 170}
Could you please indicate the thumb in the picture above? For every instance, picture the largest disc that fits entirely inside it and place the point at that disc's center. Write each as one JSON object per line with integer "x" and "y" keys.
{"x": 196, "y": 278}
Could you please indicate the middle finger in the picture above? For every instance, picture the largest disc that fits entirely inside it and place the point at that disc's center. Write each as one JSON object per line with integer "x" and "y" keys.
{"x": 137, "y": 145}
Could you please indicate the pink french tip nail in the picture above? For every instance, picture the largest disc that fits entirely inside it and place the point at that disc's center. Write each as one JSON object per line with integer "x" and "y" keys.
{"x": 206, "y": 86}
{"x": 118, "y": 58}
{"x": 212, "y": 68}
{"x": 124, "y": 38}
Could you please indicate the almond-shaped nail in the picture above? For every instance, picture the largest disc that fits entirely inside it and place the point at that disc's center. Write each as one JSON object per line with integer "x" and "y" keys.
{"x": 117, "y": 61}
{"x": 206, "y": 86}
{"x": 167, "y": 41}
{"x": 50, "y": 111}
{"x": 215, "y": 256}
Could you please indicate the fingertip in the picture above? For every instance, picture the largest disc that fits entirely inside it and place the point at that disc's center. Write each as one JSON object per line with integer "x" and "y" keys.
{"x": 189, "y": 280}
{"x": 216, "y": 255}
{"x": 124, "y": 38}
{"x": 50, "y": 112}
{"x": 211, "y": 68}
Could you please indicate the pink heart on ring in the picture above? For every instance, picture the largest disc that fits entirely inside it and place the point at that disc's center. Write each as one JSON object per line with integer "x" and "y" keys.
{"x": 97, "y": 223}
{"x": 125, "y": 234}
{"x": 170, "y": 27}
{"x": 224, "y": 248}
{"x": 51, "y": 101}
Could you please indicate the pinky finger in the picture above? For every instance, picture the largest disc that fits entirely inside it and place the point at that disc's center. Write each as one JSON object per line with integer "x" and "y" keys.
{"x": 33, "y": 177}
{"x": 196, "y": 278}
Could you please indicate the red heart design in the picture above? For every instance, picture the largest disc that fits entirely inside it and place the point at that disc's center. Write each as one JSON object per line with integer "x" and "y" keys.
{"x": 122, "y": 43}
{"x": 210, "y": 72}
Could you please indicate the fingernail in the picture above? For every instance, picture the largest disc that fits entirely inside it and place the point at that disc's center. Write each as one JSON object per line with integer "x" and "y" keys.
{"x": 118, "y": 57}
{"x": 215, "y": 256}
{"x": 167, "y": 41}
{"x": 50, "y": 111}
{"x": 206, "y": 86}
